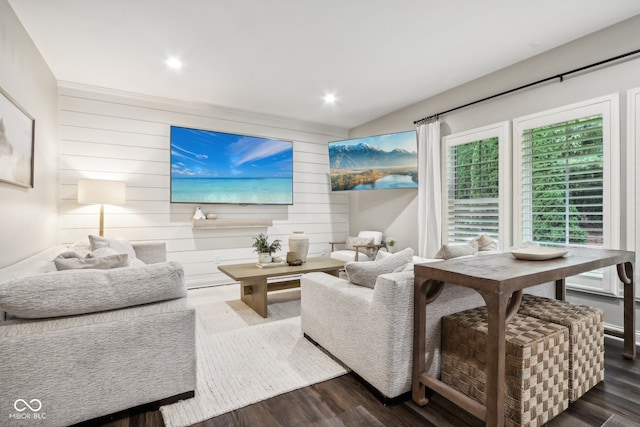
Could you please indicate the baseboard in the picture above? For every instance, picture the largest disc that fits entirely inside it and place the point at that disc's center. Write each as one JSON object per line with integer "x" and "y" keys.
{"x": 126, "y": 413}
{"x": 381, "y": 397}
{"x": 618, "y": 332}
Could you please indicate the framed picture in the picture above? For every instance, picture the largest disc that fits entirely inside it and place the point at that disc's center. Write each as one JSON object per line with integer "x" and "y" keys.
{"x": 374, "y": 162}
{"x": 16, "y": 143}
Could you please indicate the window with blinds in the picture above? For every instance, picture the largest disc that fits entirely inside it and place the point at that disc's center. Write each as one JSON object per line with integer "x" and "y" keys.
{"x": 562, "y": 182}
{"x": 473, "y": 173}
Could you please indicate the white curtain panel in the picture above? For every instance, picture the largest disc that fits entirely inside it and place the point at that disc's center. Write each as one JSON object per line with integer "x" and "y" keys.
{"x": 429, "y": 189}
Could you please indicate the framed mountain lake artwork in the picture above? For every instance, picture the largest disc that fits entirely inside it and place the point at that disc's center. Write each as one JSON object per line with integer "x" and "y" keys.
{"x": 375, "y": 162}
{"x": 16, "y": 143}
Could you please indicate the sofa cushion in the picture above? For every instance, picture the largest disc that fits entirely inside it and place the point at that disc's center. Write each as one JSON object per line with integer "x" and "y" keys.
{"x": 366, "y": 273}
{"x": 455, "y": 251}
{"x": 71, "y": 292}
{"x": 71, "y": 261}
{"x": 121, "y": 246}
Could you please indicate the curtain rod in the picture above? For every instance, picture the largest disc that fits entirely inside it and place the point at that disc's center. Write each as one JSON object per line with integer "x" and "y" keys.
{"x": 528, "y": 85}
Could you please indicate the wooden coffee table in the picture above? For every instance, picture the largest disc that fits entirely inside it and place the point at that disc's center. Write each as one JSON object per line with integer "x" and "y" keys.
{"x": 253, "y": 280}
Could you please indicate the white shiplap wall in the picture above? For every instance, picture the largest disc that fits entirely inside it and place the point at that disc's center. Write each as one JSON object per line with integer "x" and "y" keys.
{"x": 109, "y": 135}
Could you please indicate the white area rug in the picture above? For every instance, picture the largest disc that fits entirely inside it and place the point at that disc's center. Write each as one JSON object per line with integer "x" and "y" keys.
{"x": 243, "y": 358}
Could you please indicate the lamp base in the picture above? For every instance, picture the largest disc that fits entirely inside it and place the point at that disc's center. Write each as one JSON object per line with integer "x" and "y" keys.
{"x": 101, "y": 231}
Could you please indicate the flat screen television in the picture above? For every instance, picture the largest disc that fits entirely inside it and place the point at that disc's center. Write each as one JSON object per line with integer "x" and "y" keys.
{"x": 218, "y": 167}
{"x": 374, "y": 162}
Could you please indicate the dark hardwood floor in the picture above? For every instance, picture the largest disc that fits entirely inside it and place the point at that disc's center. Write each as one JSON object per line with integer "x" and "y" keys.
{"x": 344, "y": 401}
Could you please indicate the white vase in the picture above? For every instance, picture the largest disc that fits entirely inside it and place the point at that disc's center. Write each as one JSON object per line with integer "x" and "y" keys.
{"x": 264, "y": 257}
{"x": 299, "y": 243}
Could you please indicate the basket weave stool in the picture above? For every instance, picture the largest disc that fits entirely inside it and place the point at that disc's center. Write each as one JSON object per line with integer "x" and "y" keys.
{"x": 536, "y": 364}
{"x": 586, "y": 338}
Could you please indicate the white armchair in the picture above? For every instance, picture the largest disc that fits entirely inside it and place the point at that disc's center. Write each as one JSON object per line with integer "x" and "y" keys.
{"x": 361, "y": 248}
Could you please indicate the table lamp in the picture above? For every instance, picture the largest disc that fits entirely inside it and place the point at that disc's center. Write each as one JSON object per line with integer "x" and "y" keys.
{"x": 100, "y": 191}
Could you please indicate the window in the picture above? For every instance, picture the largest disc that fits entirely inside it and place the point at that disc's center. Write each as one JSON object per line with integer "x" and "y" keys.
{"x": 562, "y": 179}
{"x": 476, "y": 170}
{"x": 566, "y": 162}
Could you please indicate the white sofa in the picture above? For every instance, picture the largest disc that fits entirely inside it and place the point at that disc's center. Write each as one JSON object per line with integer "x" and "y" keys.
{"x": 371, "y": 330}
{"x": 129, "y": 342}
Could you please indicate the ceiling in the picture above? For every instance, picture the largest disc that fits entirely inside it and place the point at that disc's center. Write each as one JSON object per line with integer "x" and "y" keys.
{"x": 280, "y": 57}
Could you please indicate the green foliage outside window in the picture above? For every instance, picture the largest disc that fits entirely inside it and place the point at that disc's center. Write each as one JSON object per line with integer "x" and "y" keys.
{"x": 476, "y": 170}
{"x": 562, "y": 173}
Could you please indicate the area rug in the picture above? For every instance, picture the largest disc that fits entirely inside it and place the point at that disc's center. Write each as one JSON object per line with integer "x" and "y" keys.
{"x": 243, "y": 358}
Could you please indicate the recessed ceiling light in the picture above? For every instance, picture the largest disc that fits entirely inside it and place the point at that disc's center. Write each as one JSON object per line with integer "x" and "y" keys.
{"x": 330, "y": 98}
{"x": 174, "y": 63}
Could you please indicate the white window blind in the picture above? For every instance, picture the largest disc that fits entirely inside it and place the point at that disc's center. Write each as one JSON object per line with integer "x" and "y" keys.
{"x": 473, "y": 190}
{"x": 562, "y": 182}
{"x": 477, "y": 185}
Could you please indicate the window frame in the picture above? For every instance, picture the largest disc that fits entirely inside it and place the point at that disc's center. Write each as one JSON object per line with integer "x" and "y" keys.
{"x": 502, "y": 131}
{"x": 633, "y": 190}
{"x": 608, "y": 107}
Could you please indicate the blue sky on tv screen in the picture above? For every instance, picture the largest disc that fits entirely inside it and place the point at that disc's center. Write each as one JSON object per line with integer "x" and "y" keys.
{"x": 403, "y": 140}
{"x": 208, "y": 154}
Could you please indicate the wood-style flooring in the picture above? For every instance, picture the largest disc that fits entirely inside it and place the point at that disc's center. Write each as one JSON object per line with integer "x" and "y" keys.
{"x": 344, "y": 401}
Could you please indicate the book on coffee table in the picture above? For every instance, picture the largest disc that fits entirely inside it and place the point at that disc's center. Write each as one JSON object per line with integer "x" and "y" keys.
{"x": 271, "y": 264}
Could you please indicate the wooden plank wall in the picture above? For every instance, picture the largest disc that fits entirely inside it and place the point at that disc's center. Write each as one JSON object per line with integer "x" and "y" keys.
{"x": 107, "y": 135}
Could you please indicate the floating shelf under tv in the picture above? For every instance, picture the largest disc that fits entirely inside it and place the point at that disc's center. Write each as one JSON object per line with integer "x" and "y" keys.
{"x": 231, "y": 223}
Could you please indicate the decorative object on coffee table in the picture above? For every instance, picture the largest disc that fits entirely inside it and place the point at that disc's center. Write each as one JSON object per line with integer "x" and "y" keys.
{"x": 264, "y": 248}
{"x": 292, "y": 259}
{"x": 299, "y": 243}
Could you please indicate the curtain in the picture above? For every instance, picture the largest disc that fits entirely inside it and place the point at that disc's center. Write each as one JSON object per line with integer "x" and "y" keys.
{"x": 429, "y": 189}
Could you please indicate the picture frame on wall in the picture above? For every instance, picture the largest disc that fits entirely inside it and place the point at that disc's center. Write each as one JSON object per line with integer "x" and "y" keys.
{"x": 16, "y": 143}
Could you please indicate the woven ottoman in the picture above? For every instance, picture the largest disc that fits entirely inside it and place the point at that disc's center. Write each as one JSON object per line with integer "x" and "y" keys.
{"x": 536, "y": 364}
{"x": 586, "y": 338}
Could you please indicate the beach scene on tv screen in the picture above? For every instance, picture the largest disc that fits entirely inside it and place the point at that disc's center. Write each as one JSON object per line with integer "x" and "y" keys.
{"x": 374, "y": 163}
{"x": 217, "y": 167}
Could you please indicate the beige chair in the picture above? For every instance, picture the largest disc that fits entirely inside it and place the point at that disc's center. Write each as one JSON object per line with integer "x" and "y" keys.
{"x": 364, "y": 247}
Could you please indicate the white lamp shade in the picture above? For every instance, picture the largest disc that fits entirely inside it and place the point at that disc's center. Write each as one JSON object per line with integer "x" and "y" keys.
{"x": 92, "y": 191}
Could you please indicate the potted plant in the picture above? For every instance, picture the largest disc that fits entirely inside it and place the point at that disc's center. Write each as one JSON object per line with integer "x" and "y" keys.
{"x": 264, "y": 248}
{"x": 391, "y": 242}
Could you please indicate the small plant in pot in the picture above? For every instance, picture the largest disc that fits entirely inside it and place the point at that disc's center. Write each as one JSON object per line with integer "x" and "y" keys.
{"x": 391, "y": 243}
{"x": 264, "y": 248}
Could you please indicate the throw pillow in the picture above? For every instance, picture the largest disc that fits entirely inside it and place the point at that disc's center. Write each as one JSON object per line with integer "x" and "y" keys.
{"x": 418, "y": 260}
{"x": 352, "y": 242}
{"x": 455, "y": 251}
{"x": 485, "y": 243}
{"x": 382, "y": 254}
{"x": 81, "y": 247}
{"x": 73, "y": 261}
{"x": 121, "y": 246}
{"x": 366, "y": 273}
{"x": 100, "y": 252}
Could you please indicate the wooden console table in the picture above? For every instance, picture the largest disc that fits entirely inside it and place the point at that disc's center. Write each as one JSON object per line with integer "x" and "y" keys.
{"x": 253, "y": 280}
{"x": 500, "y": 279}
